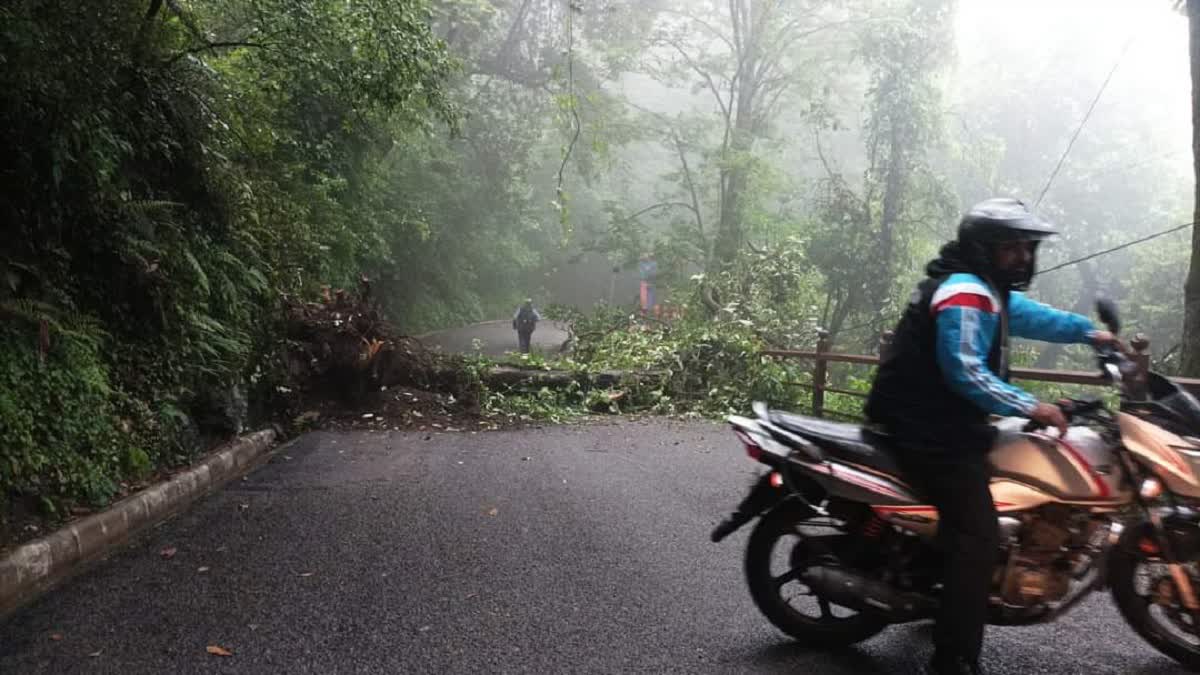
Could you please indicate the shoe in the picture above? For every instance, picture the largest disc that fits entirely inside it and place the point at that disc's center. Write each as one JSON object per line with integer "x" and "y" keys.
{"x": 954, "y": 666}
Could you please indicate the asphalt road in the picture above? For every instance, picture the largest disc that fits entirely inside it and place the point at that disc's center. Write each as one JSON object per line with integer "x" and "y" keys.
{"x": 556, "y": 550}
{"x": 495, "y": 338}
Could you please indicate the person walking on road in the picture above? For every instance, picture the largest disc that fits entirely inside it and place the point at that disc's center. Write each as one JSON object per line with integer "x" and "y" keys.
{"x": 524, "y": 322}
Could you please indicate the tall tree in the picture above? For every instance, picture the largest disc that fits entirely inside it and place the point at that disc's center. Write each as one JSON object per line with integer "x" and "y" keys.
{"x": 1191, "y": 320}
{"x": 859, "y": 242}
{"x": 747, "y": 57}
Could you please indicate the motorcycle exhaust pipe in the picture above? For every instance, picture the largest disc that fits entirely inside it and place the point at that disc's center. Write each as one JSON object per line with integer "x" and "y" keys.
{"x": 870, "y": 596}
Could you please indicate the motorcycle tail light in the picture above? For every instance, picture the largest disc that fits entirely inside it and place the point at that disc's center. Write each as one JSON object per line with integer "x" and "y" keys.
{"x": 776, "y": 479}
{"x": 1151, "y": 488}
{"x": 753, "y": 449}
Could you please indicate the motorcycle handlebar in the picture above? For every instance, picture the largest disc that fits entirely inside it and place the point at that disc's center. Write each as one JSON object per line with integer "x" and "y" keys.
{"x": 1072, "y": 408}
{"x": 1107, "y": 355}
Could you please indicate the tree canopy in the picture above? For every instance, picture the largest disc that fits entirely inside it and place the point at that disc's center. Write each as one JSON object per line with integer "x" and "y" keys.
{"x": 179, "y": 172}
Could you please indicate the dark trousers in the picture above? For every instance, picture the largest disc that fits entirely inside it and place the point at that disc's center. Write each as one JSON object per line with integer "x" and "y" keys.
{"x": 523, "y": 339}
{"x": 956, "y": 482}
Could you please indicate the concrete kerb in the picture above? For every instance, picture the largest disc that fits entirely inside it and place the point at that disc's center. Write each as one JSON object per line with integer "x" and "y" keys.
{"x": 37, "y": 566}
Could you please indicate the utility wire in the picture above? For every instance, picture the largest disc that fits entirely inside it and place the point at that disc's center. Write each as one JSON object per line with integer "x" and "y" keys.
{"x": 1082, "y": 122}
{"x": 877, "y": 322}
{"x": 1127, "y": 244}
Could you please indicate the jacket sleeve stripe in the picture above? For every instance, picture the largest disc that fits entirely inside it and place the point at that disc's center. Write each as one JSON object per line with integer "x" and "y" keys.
{"x": 983, "y": 379}
{"x": 971, "y": 300}
{"x": 962, "y": 283}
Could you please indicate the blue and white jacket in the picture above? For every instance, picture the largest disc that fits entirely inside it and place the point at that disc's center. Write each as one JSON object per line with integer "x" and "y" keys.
{"x": 967, "y": 313}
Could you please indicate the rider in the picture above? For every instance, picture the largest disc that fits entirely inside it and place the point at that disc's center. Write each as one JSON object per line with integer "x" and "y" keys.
{"x": 947, "y": 371}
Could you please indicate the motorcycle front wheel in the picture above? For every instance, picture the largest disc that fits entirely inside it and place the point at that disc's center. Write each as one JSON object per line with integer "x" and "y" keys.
{"x": 1142, "y": 588}
{"x": 781, "y": 547}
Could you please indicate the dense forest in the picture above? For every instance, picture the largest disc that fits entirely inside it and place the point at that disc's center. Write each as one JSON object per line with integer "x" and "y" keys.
{"x": 180, "y": 172}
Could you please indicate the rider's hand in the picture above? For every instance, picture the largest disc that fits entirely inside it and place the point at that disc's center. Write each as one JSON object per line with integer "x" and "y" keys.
{"x": 1103, "y": 338}
{"x": 1050, "y": 415}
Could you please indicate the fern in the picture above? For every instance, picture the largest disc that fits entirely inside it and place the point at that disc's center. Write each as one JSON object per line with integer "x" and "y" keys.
{"x": 68, "y": 322}
{"x": 148, "y": 208}
{"x": 29, "y": 309}
{"x": 197, "y": 270}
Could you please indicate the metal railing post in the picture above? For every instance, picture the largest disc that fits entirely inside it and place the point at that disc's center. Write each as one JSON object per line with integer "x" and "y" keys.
{"x": 820, "y": 373}
{"x": 1139, "y": 389}
{"x": 885, "y": 344}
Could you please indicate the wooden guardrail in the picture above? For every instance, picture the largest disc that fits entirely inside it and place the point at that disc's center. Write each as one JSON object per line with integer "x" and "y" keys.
{"x": 824, "y": 355}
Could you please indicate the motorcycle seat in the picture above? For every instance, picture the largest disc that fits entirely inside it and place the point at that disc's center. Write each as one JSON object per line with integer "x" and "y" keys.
{"x": 847, "y": 442}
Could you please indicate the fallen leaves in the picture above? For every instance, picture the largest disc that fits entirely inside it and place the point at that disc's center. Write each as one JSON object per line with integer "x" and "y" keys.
{"x": 218, "y": 650}
{"x": 57, "y": 637}
{"x": 493, "y": 511}
{"x": 168, "y": 552}
{"x": 96, "y": 654}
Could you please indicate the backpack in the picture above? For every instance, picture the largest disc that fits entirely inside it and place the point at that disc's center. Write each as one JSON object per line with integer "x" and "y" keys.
{"x": 526, "y": 319}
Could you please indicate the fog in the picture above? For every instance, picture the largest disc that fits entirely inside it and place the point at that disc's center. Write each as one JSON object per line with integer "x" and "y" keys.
{"x": 1015, "y": 86}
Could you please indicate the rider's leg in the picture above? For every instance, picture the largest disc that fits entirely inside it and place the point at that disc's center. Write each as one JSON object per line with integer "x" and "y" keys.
{"x": 957, "y": 483}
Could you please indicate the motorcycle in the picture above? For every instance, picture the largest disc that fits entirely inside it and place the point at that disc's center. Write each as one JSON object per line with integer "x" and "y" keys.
{"x": 844, "y": 545}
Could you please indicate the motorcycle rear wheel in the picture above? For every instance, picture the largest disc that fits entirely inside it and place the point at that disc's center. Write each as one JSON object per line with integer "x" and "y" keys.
{"x": 816, "y": 623}
{"x": 1132, "y": 578}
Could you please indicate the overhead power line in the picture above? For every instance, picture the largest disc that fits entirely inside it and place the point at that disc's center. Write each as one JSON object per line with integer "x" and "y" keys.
{"x": 1082, "y": 122}
{"x": 1127, "y": 244}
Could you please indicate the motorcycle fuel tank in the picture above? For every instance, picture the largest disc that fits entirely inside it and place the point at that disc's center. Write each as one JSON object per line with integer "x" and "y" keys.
{"x": 1032, "y": 469}
{"x": 1079, "y": 467}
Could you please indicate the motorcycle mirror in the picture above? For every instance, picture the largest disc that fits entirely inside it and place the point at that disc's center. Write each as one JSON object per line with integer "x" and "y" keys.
{"x": 1107, "y": 309}
{"x": 1114, "y": 373}
{"x": 760, "y": 410}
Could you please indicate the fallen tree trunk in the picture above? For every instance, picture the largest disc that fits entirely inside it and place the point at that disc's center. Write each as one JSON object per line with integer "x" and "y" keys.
{"x": 519, "y": 378}
{"x": 341, "y": 348}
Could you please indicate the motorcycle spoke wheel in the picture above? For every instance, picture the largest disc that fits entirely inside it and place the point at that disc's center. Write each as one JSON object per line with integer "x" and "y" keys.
{"x": 826, "y": 608}
{"x": 786, "y": 578}
{"x": 1157, "y": 589}
{"x": 778, "y": 554}
{"x": 793, "y": 555}
{"x": 1146, "y": 596}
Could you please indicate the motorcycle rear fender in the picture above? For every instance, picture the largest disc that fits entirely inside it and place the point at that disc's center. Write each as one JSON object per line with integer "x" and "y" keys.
{"x": 764, "y": 497}
{"x": 775, "y": 444}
